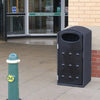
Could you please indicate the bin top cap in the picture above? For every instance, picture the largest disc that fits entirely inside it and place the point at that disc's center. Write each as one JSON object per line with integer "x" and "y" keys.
{"x": 13, "y": 56}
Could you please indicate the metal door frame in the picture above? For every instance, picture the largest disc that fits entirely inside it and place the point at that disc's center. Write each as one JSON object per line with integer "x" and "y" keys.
{"x": 62, "y": 14}
{"x": 3, "y": 35}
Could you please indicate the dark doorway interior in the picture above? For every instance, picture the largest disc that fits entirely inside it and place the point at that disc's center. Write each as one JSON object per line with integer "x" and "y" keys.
{"x": 2, "y": 20}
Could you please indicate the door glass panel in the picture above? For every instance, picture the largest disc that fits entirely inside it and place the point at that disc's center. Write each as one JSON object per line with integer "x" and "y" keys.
{"x": 15, "y": 6}
{"x": 15, "y": 17}
{"x": 66, "y": 7}
{"x": 66, "y": 13}
{"x": 43, "y": 24}
{"x": 15, "y": 25}
{"x": 40, "y": 5}
{"x": 45, "y": 16}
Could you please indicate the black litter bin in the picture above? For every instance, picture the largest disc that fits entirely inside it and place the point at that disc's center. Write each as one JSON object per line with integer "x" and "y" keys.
{"x": 74, "y": 56}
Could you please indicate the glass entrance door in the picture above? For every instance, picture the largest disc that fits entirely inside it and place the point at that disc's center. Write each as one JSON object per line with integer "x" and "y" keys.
{"x": 36, "y": 16}
{"x": 44, "y": 16}
{"x": 15, "y": 17}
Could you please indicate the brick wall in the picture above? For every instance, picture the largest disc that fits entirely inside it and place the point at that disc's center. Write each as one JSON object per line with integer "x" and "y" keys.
{"x": 84, "y": 12}
{"x": 95, "y": 63}
{"x": 87, "y": 13}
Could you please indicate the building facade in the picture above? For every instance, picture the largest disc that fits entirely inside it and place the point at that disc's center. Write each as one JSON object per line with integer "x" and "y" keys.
{"x": 87, "y": 13}
{"x": 47, "y": 17}
{"x": 36, "y": 17}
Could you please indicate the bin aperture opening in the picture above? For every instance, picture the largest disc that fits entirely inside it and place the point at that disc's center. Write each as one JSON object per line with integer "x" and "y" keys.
{"x": 70, "y": 37}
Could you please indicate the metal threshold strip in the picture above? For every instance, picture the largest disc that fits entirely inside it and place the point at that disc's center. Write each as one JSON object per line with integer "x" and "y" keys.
{"x": 30, "y": 35}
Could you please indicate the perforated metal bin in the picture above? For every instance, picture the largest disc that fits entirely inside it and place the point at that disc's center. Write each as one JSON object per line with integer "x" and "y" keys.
{"x": 74, "y": 56}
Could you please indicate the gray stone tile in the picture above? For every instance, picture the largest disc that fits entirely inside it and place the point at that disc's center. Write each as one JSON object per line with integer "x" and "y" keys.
{"x": 37, "y": 75}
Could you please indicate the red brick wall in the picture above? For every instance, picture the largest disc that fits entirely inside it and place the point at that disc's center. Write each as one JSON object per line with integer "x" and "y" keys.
{"x": 95, "y": 63}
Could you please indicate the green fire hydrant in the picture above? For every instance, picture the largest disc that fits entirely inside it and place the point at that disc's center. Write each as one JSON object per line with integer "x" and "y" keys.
{"x": 13, "y": 78}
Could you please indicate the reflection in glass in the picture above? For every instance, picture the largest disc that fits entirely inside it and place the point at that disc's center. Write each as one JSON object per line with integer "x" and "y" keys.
{"x": 40, "y": 5}
{"x": 17, "y": 4}
{"x": 66, "y": 21}
{"x": 44, "y": 24}
{"x": 44, "y": 5}
{"x": 66, "y": 13}
{"x": 57, "y": 5}
{"x": 15, "y": 25}
{"x": 66, "y": 7}
{"x": 41, "y": 24}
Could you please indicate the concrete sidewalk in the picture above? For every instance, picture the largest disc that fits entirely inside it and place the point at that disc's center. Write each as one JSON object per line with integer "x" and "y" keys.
{"x": 37, "y": 75}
